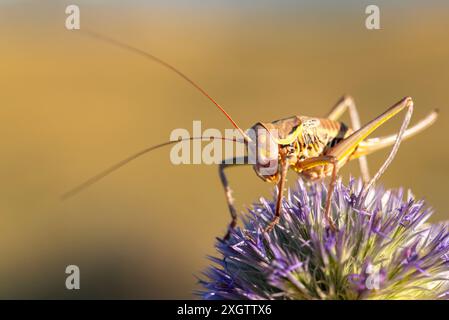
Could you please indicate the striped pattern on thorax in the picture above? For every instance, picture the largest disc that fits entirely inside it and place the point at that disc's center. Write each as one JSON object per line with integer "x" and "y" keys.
{"x": 318, "y": 135}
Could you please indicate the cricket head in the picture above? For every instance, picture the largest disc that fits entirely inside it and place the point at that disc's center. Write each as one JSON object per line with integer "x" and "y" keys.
{"x": 270, "y": 141}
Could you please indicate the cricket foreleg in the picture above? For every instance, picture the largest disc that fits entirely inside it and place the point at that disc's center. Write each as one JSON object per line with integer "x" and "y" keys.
{"x": 228, "y": 191}
{"x": 347, "y": 103}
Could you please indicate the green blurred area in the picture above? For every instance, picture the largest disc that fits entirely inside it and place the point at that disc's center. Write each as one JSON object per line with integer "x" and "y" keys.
{"x": 71, "y": 106}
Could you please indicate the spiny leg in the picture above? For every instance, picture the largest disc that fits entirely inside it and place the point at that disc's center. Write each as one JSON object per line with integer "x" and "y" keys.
{"x": 228, "y": 192}
{"x": 322, "y": 161}
{"x": 371, "y": 145}
{"x": 345, "y": 148}
{"x": 347, "y": 103}
{"x": 281, "y": 185}
{"x": 393, "y": 151}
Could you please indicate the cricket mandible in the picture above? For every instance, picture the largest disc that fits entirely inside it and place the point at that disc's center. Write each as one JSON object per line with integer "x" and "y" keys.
{"x": 315, "y": 148}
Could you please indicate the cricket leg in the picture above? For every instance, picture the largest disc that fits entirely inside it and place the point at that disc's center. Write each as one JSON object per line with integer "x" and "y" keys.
{"x": 228, "y": 192}
{"x": 393, "y": 151}
{"x": 322, "y": 161}
{"x": 281, "y": 185}
{"x": 348, "y": 146}
{"x": 347, "y": 103}
{"x": 371, "y": 145}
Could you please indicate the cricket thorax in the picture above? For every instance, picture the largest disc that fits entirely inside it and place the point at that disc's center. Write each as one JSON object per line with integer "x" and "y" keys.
{"x": 316, "y": 138}
{"x": 319, "y": 135}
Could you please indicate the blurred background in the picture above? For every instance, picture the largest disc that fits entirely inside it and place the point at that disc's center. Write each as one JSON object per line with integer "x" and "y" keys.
{"x": 72, "y": 105}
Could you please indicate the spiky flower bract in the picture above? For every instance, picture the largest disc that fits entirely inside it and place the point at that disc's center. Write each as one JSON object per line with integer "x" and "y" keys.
{"x": 384, "y": 249}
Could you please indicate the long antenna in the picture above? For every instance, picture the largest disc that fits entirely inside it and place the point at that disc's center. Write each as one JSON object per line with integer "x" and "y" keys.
{"x": 132, "y": 157}
{"x": 168, "y": 66}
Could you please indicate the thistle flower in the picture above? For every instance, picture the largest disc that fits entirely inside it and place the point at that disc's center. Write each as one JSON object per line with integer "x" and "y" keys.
{"x": 383, "y": 250}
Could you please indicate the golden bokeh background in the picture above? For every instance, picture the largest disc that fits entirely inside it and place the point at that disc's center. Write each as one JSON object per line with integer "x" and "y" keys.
{"x": 72, "y": 105}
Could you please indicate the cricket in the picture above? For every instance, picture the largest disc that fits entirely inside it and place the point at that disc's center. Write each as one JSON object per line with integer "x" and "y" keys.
{"x": 314, "y": 147}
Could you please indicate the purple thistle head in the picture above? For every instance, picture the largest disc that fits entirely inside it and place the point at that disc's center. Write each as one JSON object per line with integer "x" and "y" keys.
{"x": 383, "y": 250}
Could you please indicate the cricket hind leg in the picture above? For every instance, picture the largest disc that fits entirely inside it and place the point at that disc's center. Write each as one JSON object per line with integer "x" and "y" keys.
{"x": 374, "y": 144}
{"x": 347, "y": 103}
{"x": 349, "y": 145}
{"x": 393, "y": 151}
{"x": 228, "y": 191}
